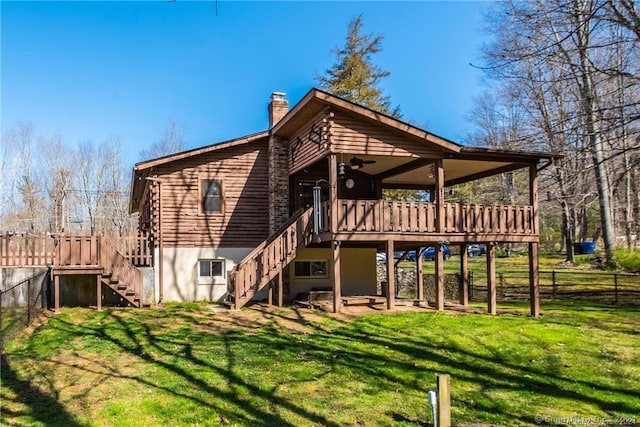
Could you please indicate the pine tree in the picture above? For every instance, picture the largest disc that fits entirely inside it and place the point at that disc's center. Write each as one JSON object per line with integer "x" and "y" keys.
{"x": 354, "y": 76}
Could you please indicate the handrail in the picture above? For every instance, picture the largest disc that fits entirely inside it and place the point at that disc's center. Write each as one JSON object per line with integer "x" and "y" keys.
{"x": 120, "y": 267}
{"x": 269, "y": 259}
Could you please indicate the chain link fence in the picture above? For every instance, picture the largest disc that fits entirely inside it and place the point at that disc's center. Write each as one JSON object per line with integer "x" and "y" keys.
{"x": 21, "y": 301}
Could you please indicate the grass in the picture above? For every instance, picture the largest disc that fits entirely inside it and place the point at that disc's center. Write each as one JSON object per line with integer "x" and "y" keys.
{"x": 188, "y": 365}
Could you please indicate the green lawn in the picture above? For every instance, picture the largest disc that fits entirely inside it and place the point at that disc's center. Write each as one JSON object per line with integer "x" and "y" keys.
{"x": 187, "y": 365}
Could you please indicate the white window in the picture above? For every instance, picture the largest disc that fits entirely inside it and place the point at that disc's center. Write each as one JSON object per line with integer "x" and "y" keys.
{"x": 310, "y": 268}
{"x": 211, "y": 268}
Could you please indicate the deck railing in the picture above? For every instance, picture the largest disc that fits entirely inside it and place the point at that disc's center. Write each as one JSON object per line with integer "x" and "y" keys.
{"x": 26, "y": 251}
{"x": 33, "y": 251}
{"x": 420, "y": 217}
{"x": 77, "y": 251}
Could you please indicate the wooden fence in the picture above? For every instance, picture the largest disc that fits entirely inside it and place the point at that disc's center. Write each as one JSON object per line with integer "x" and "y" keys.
{"x": 34, "y": 251}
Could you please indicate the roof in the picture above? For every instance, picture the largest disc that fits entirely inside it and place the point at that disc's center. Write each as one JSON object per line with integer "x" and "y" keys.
{"x": 316, "y": 100}
{"x": 463, "y": 163}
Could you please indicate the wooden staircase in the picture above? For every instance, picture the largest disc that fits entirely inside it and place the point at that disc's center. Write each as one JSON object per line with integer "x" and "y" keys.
{"x": 120, "y": 274}
{"x": 267, "y": 261}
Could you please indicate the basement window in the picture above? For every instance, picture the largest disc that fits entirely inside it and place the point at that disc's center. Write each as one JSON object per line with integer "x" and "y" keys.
{"x": 310, "y": 268}
{"x": 211, "y": 268}
{"x": 211, "y": 191}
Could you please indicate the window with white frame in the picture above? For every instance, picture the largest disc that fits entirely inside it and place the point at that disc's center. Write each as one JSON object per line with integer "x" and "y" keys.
{"x": 310, "y": 268}
{"x": 211, "y": 268}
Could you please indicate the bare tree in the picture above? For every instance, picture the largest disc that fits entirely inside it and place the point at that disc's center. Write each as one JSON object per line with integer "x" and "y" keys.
{"x": 556, "y": 57}
{"x": 171, "y": 142}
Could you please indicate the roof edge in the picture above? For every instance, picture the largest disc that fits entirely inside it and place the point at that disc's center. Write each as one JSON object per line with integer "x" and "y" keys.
{"x": 200, "y": 150}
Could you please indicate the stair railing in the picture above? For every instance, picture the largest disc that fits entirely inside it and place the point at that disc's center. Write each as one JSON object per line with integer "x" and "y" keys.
{"x": 120, "y": 267}
{"x": 269, "y": 259}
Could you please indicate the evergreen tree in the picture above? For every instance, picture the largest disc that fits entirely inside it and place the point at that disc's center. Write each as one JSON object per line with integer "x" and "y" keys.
{"x": 354, "y": 76}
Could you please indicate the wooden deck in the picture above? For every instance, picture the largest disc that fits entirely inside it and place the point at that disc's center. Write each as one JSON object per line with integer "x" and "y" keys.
{"x": 82, "y": 255}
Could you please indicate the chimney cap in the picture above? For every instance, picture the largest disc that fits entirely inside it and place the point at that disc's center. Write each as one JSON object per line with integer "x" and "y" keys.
{"x": 278, "y": 96}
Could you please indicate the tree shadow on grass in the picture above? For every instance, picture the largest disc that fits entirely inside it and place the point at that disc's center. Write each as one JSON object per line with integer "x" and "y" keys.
{"x": 43, "y": 407}
{"x": 228, "y": 373}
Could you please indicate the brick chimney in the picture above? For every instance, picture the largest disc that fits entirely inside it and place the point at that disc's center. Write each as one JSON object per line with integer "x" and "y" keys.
{"x": 278, "y": 165}
{"x": 278, "y": 107}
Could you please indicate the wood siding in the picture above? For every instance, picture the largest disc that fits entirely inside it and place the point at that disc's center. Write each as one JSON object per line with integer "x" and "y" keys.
{"x": 243, "y": 222}
{"x": 303, "y": 148}
{"x": 352, "y": 135}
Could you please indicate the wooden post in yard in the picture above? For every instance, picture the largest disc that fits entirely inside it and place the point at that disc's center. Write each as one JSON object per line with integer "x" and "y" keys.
{"x": 391, "y": 284}
{"x": 98, "y": 293}
{"x": 56, "y": 293}
{"x": 464, "y": 276}
{"x": 444, "y": 400}
{"x": 534, "y": 280}
{"x": 270, "y": 293}
{"x": 419, "y": 274}
{"x": 534, "y": 268}
{"x": 280, "y": 289}
{"x": 439, "y": 259}
{"x": 335, "y": 273}
{"x": 440, "y": 228}
{"x": 491, "y": 278}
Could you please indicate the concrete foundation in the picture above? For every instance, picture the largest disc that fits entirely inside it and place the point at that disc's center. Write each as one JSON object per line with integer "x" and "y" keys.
{"x": 16, "y": 293}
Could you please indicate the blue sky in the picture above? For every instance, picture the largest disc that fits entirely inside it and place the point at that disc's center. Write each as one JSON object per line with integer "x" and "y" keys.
{"x": 90, "y": 70}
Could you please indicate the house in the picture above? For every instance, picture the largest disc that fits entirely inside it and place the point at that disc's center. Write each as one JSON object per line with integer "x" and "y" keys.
{"x": 299, "y": 207}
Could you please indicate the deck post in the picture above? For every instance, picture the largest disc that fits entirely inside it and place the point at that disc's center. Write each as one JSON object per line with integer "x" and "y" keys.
{"x": 270, "y": 293}
{"x": 464, "y": 275}
{"x": 391, "y": 277}
{"x": 534, "y": 274}
{"x": 56, "y": 293}
{"x": 98, "y": 293}
{"x": 280, "y": 289}
{"x": 334, "y": 268}
{"x": 419, "y": 274}
{"x": 439, "y": 259}
{"x": 335, "y": 277}
{"x": 534, "y": 280}
{"x": 491, "y": 278}
{"x": 439, "y": 190}
{"x": 333, "y": 192}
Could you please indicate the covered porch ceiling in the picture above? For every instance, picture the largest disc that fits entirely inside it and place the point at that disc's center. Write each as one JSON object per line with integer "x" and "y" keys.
{"x": 418, "y": 173}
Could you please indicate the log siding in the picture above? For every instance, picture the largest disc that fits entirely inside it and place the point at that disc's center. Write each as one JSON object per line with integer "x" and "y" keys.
{"x": 243, "y": 220}
{"x": 307, "y": 147}
{"x": 352, "y": 135}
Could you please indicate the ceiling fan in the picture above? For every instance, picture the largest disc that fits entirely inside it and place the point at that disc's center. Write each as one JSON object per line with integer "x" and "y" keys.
{"x": 357, "y": 163}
